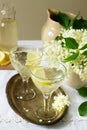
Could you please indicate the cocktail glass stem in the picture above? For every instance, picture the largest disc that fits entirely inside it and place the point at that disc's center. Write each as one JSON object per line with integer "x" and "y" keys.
{"x": 46, "y": 113}
{"x": 26, "y": 92}
{"x": 25, "y": 83}
{"x": 46, "y": 101}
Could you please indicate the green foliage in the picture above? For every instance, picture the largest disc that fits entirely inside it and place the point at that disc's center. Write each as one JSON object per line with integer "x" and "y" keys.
{"x": 73, "y": 48}
{"x": 63, "y": 19}
{"x": 84, "y": 47}
{"x": 84, "y": 53}
{"x": 72, "y": 57}
{"x": 71, "y": 43}
{"x": 67, "y": 22}
{"x": 83, "y": 109}
{"x": 82, "y": 91}
{"x": 80, "y": 24}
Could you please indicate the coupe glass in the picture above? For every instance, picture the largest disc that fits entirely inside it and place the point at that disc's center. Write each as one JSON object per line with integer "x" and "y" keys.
{"x": 47, "y": 77}
{"x": 21, "y": 59}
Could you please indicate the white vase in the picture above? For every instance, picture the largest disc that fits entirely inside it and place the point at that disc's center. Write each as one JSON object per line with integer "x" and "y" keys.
{"x": 51, "y": 28}
{"x": 74, "y": 81}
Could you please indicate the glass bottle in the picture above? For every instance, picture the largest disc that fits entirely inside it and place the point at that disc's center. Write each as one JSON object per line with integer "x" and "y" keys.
{"x": 8, "y": 26}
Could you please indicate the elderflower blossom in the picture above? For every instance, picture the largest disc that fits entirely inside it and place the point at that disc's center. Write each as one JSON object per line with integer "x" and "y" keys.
{"x": 55, "y": 52}
{"x": 60, "y": 101}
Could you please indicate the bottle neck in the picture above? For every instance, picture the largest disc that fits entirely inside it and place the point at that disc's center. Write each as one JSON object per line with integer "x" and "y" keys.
{"x": 7, "y": 11}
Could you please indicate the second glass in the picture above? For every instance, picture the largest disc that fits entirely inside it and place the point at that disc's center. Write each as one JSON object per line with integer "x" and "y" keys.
{"x": 22, "y": 60}
{"x": 47, "y": 77}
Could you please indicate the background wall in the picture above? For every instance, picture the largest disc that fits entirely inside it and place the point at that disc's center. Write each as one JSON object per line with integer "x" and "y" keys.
{"x": 32, "y": 14}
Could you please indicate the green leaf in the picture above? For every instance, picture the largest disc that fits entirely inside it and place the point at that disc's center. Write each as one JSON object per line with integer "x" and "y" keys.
{"x": 84, "y": 53}
{"x": 58, "y": 38}
{"x": 72, "y": 20}
{"x": 63, "y": 19}
{"x": 72, "y": 57}
{"x": 82, "y": 91}
{"x": 84, "y": 47}
{"x": 83, "y": 109}
{"x": 71, "y": 43}
{"x": 80, "y": 24}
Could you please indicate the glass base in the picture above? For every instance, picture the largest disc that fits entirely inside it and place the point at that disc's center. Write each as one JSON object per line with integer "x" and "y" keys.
{"x": 25, "y": 96}
{"x": 46, "y": 115}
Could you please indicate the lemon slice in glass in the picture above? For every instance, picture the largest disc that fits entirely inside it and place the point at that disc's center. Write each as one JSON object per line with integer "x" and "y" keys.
{"x": 40, "y": 72}
{"x": 4, "y": 58}
{"x": 31, "y": 57}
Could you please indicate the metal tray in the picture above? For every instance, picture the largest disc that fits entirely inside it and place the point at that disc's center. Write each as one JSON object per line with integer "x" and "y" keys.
{"x": 27, "y": 109}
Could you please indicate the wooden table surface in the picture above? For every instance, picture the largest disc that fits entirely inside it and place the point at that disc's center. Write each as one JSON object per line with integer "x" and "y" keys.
{"x": 7, "y": 67}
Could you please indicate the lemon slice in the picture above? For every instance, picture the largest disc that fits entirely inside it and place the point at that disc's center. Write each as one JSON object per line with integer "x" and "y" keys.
{"x": 4, "y": 58}
{"x": 31, "y": 57}
{"x": 40, "y": 72}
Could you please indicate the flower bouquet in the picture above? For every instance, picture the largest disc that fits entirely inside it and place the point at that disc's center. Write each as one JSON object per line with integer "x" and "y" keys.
{"x": 70, "y": 47}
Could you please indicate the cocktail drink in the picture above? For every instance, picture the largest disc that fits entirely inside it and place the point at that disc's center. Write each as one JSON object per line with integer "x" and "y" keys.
{"x": 47, "y": 78}
{"x": 21, "y": 60}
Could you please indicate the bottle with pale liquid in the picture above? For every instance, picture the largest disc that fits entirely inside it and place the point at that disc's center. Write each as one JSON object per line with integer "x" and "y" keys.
{"x": 8, "y": 29}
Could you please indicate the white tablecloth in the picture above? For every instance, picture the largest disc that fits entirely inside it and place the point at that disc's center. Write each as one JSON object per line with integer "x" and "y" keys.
{"x": 9, "y": 120}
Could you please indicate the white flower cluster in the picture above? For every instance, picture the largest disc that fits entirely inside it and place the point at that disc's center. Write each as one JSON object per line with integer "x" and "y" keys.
{"x": 55, "y": 52}
{"x": 60, "y": 102}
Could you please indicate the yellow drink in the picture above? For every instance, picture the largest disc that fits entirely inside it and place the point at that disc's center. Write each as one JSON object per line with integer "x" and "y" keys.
{"x": 8, "y": 34}
{"x": 48, "y": 79}
{"x": 18, "y": 61}
{"x": 22, "y": 61}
